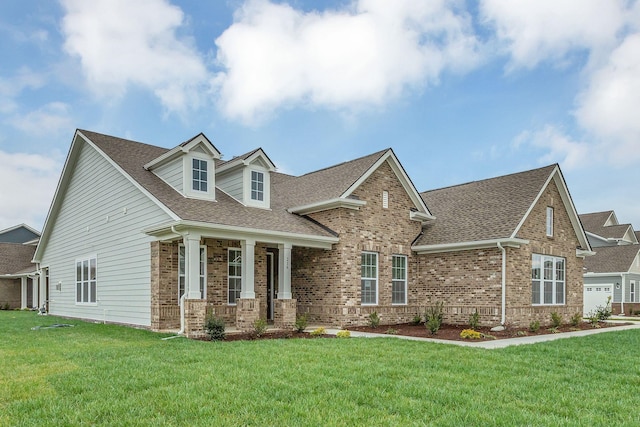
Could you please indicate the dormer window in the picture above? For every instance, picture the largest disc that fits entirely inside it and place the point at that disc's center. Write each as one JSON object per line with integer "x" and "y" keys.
{"x": 199, "y": 175}
{"x": 257, "y": 186}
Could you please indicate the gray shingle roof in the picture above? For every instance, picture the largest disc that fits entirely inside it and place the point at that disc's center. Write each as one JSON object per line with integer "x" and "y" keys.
{"x": 131, "y": 156}
{"x": 481, "y": 210}
{"x": 594, "y": 223}
{"x": 611, "y": 259}
{"x": 15, "y": 258}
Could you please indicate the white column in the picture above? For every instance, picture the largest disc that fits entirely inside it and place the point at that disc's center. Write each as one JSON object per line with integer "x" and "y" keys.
{"x": 284, "y": 271}
{"x": 43, "y": 285}
{"x": 248, "y": 267}
{"x": 34, "y": 294}
{"x": 192, "y": 265}
{"x": 23, "y": 292}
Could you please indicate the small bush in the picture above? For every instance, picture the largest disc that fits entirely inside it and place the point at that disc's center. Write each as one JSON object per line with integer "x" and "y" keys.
{"x": 488, "y": 337}
{"x": 259, "y": 327}
{"x": 470, "y": 334}
{"x": 343, "y": 334}
{"x": 301, "y": 323}
{"x": 522, "y": 333}
{"x": 433, "y": 317}
{"x": 604, "y": 312}
{"x": 534, "y": 326}
{"x": 553, "y": 330}
{"x": 391, "y": 331}
{"x": 319, "y": 331}
{"x": 593, "y": 319}
{"x": 474, "y": 320}
{"x": 417, "y": 319}
{"x": 576, "y": 319}
{"x": 374, "y": 320}
{"x": 556, "y": 319}
{"x": 214, "y": 326}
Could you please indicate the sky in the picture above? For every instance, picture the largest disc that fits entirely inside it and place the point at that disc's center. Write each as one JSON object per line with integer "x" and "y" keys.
{"x": 461, "y": 90}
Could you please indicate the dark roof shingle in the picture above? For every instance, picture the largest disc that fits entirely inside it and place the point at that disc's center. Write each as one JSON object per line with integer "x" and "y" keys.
{"x": 15, "y": 258}
{"x": 611, "y": 259}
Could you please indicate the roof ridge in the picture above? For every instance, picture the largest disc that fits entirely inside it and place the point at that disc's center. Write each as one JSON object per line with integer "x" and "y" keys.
{"x": 125, "y": 139}
{"x": 346, "y": 162}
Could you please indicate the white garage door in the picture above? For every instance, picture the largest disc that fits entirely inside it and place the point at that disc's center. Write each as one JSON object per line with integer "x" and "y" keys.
{"x": 595, "y": 296}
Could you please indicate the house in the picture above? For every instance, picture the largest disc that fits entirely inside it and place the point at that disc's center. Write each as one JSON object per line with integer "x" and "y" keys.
{"x": 160, "y": 238}
{"x": 613, "y": 273}
{"x": 18, "y": 284}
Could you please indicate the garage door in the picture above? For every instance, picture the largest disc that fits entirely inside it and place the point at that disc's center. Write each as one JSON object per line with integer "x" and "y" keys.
{"x": 595, "y": 296}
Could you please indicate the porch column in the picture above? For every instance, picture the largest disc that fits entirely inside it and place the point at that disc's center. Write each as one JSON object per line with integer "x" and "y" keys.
{"x": 34, "y": 294}
{"x": 192, "y": 266}
{"x": 23, "y": 292}
{"x": 284, "y": 271}
{"x": 248, "y": 267}
{"x": 42, "y": 283}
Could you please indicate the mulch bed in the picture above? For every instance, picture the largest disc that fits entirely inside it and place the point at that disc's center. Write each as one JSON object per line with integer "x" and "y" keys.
{"x": 272, "y": 335}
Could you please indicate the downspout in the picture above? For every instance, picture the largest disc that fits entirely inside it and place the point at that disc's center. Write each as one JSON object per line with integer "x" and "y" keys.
{"x": 503, "y": 317}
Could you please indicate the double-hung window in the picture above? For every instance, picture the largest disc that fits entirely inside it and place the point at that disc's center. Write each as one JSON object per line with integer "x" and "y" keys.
{"x": 182, "y": 271}
{"x": 199, "y": 175}
{"x": 257, "y": 186}
{"x": 399, "y": 279}
{"x": 548, "y": 280}
{"x": 86, "y": 280}
{"x": 369, "y": 278}
{"x": 234, "y": 274}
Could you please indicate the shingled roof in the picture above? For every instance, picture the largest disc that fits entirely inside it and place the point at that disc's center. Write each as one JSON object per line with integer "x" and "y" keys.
{"x": 15, "y": 258}
{"x": 131, "y": 156}
{"x": 482, "y": 210}
{"x": 611, "y": 259}
{"x": 594, "y": 223}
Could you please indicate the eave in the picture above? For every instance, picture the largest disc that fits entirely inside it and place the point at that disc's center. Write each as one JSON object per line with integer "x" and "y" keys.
{"x": 325, "y": 205}
{"x": 463, "y": 246}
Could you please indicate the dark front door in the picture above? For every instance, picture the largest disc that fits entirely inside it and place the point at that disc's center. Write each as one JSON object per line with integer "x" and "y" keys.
{"x": 270, "y": 286}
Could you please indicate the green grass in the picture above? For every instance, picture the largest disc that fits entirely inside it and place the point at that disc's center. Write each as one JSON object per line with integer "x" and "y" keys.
{"x": 93, "y": 374}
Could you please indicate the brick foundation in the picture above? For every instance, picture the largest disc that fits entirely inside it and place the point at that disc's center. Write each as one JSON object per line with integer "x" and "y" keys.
{"x": 195, "y": 314}
{"x": 247, "y": 312}
{"x": 284, "y": 313}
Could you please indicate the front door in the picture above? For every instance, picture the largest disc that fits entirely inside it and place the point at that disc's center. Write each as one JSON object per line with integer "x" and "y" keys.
{"x": 270, "y": 286}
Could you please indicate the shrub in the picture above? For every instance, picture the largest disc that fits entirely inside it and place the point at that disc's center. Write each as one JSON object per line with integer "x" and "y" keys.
{"x": 391, "y": 331}
{"x": 534, "y": 326}
{"x": 593, "y": 319}
{"x": 556, "y": 319}
{"x": 259, "y": 327}
{"x": 343, "y": 334}
{"x": 470, "y": 334}
{"x": 319, "y": 331}
{"x": 488, "y": 337}
{"x": 576, "y": 319}
{"x": 433, "y": 317}
{"x": 604, "y": 312}
{"x": 374, "y": 319}
{"x": 522, "y": 333}
{"x": 553, "y": 330}
{"x": 474, "y": 320}
{"x": 301, "y": 323}
{"x": 214, "y": 326}
{"x": 417, "y": 319}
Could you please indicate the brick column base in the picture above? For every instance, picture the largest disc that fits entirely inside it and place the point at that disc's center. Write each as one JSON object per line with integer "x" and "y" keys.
{"x": 247, "y": 312}
{"x": 284, "y": 313}
{"x": 195, "y": 313}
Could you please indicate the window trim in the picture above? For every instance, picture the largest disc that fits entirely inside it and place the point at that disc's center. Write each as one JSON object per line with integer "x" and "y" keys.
{"x": 199, "y": 171}
{"x": 632, "y": 291}
{"x": 404, "y": 281}
{"x": 229, "y": 276}
{"x": 540, "y": 282}
{"x": 549, "y": 221}
{"x": 203, "y": 271}
{"x": 374, "y": 279}
{"x": 90, "y": 301}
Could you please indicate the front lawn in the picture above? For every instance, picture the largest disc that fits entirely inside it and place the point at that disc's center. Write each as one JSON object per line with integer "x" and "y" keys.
{"x": 94, "y": 374}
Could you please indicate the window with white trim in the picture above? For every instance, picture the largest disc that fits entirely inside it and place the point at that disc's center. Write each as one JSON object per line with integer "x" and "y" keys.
{"x": 199, "y": 178}
{"x": 182, "y": 271}
{"x": 549, "y": 221}
{"x": 234, "y": 274}
{"x": 398, "y": 279}
{"x": 86, "y": 280}
{"x": 548, "y": 280}
{"x": 257, "y": 186}
{"x": 369, "y": 278}
{"x": 632, "y": 291}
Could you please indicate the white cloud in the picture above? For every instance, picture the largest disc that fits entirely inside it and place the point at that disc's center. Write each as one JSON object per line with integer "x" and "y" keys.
{"x": 533, "y": 31}
{"x": 121, "y": 43}
{"x": 32, "y": 180}
{"x": 11, "y": 87}
{"x": 361, "y": 56}
{"x": 559, "y": 147}
{"x": 49, "y": 119}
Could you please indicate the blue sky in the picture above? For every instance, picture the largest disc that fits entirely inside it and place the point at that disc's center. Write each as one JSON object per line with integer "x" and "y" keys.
{"x": 460, "y": 90}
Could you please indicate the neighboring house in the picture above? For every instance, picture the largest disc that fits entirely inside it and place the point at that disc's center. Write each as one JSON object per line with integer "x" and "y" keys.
{"x": 21, "y": 233}
{"x": 613, "y": 273}
{"x": 18, "y": 278}
{"x": 159, "y": 238}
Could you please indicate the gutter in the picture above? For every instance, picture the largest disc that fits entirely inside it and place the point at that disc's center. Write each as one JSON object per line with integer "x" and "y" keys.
{"x": 503, "y": 317}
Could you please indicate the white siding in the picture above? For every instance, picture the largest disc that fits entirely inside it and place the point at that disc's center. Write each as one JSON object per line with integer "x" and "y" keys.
{"x": 231, "y": 184}
{"x": 102, "y": 214}
{"x": 172, "y": 174}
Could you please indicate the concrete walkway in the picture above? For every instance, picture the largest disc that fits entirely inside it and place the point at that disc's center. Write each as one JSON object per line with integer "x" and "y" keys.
{"x": 499, "y": 343}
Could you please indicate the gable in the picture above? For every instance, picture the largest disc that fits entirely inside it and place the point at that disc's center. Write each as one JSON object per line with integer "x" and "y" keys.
{"x": 18, "y": 234}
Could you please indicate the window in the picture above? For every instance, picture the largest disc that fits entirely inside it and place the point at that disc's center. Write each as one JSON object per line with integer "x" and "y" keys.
{"x": 182, "y": 270}
{"x": 549, "y": 221}
{"x": 235, "y": 274}
{"x": 257, "y": 186}
{"x": 199, "y": 175}
{"x": 86, "y": 280}
{"x": 369, "y": 278}
{"x": 399, "y": 279}
{"x": 632, "y": 291}
{"x": 547, "y": 280}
